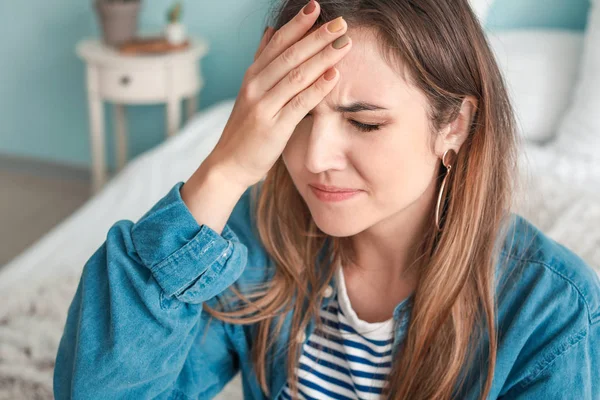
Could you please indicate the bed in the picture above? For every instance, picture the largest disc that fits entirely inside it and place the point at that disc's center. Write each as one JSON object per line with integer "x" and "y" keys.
{"x": 560, "y": 194}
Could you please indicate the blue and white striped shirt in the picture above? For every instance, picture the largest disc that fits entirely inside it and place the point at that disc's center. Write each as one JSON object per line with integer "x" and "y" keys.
{"x": 348, "y": 359}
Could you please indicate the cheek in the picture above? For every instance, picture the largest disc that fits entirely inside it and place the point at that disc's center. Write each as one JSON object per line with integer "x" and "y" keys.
{"x": 400, "y": 169}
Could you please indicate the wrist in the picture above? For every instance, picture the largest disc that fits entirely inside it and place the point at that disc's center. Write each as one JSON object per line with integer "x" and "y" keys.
{"x": 227, "y": 174}
{"x": 210, "y": 197}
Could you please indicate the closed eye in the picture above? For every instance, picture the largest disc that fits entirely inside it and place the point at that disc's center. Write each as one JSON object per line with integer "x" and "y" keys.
{"x": 359, "y": 125}
{"x": 364, "y": 127}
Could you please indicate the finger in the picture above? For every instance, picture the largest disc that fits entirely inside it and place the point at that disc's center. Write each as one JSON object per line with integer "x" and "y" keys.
{"x": 300, "y": 77}
{"x": 270, "y": 34}
{"x": 263, "y": 42}
{"x": 287, "y": 35}
{"x": 309, "y": 98}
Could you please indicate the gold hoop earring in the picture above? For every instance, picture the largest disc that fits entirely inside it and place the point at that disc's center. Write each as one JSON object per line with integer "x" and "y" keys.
{"x": 451, "y": 154}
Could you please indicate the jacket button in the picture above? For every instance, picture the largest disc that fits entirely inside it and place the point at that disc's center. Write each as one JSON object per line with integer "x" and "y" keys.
{"x": 328, "y": 291}
{"x": 301, "y": 336}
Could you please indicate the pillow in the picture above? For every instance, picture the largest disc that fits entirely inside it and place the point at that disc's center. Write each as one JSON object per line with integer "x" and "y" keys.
{"x": 540, "y": 68}
{"x": 579, "y": 131}
{"x": 481, "y": 9}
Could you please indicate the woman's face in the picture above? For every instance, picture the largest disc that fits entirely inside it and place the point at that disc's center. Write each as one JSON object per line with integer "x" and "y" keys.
{"x": 393, "y": 166}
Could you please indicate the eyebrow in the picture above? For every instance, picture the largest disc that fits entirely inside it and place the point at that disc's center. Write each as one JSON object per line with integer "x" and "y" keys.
{"x": 358, "y": 106}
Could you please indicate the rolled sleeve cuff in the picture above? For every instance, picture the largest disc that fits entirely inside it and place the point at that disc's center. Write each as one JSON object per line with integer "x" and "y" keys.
{"x": 171, "y": 243}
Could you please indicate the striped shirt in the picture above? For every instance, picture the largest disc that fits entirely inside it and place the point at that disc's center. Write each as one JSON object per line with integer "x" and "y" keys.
{"x": 348, "y": 359}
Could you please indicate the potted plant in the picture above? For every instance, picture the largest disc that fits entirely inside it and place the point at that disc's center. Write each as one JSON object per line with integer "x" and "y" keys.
{"x": 175, "y": 30}
{"x": 118, "y": 19}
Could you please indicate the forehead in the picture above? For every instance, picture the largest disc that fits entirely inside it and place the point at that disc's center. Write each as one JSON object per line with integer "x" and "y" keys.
{"x": 366, "y": 75}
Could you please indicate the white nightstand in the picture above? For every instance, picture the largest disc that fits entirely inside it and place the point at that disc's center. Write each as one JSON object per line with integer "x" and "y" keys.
{"x": 136, "y": 79}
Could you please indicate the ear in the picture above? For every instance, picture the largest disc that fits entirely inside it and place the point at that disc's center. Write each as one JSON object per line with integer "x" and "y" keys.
{"x": 453, "y": 135}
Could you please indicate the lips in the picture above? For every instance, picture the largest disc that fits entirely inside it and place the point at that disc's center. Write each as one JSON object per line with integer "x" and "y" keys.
{"x": 333, "y": 189}
{"x": 333, "y": 196}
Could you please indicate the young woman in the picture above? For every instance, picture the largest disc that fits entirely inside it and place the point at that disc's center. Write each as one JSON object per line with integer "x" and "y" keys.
{"x": 378, "y": 258}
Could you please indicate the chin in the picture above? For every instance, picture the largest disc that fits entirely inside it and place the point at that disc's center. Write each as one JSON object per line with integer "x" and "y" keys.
{"x": 337, "y": 230}
{"x": 336, "y": 225}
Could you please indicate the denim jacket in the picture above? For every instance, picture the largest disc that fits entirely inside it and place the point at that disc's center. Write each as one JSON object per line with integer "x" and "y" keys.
{"x": 136, "y": 328}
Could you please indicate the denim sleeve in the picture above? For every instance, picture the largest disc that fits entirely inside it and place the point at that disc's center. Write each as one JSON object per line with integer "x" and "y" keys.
{"x": 136, "y": 328}
{"x": 571, "y": 371}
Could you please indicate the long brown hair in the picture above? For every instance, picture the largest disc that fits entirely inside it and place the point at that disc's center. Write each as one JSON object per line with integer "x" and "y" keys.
{"x": 443, "y": 47}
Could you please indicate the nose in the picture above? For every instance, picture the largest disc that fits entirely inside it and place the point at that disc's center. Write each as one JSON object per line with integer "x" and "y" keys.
{"x": 325, "y": 149}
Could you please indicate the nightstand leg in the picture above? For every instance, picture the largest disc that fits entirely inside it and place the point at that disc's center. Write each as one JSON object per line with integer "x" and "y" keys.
{"x": 173, "y": 115}
{"x": 192, "y": 104}
{"x": 121, "y": 133}
{"x": 96, "y": 133}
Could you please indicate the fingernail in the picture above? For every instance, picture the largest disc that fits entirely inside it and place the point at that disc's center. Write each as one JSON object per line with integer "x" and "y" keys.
{"x": 335, "y": 25}
{"x": 341, "y": 42}
{"x": 310, "y": 7}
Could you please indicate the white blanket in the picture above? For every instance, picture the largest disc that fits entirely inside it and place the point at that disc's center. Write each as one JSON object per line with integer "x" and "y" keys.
{"x": 563, "y": 199}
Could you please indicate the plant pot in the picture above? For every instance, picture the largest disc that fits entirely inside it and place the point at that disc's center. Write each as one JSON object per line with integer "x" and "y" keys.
{"x": 119, "y": 20}
{"x": 175, "y": 33}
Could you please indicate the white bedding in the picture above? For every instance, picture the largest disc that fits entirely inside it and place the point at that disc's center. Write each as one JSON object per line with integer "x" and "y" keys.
{"x": 563, "y": 199}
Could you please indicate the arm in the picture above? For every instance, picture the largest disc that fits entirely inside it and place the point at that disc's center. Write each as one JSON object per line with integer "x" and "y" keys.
{"x": 137, "y": 312}
{"x": 569, "y": 371}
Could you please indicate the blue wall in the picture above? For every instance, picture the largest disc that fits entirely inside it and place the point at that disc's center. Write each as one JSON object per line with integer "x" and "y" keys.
{"x": 562, "y": 14}
{"x": 43, "y": 104}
